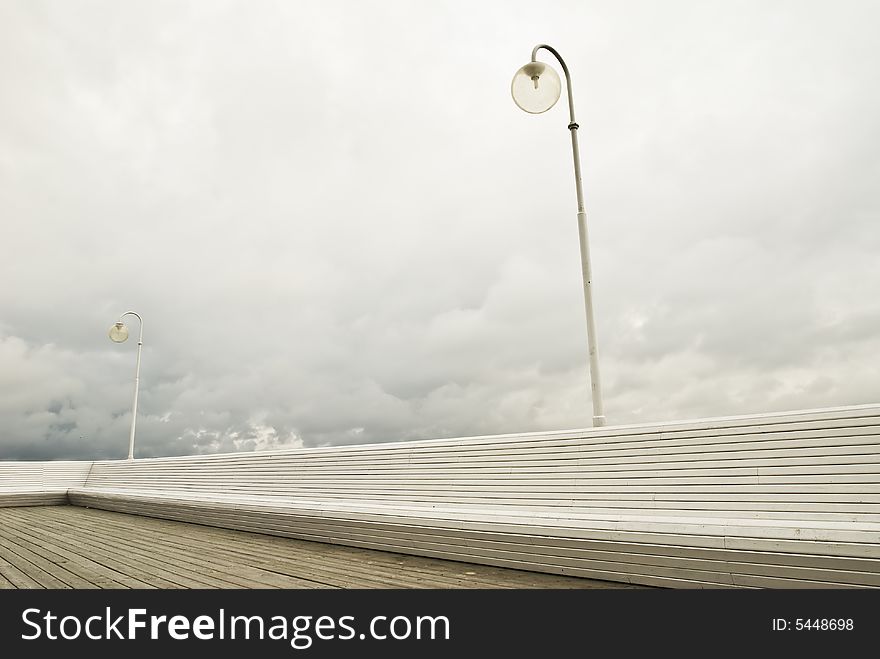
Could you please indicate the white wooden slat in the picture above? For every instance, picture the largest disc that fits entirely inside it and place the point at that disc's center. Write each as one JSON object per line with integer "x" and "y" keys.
{"x": 456, "y": 453}
{"x": 39, "y": 483}
{"x": 573, "y": 497}
{"x": 535, "y": 522}
{"x": 809, "y": 464}
{"x": 228, "y": 513}
{"x": 572, "y": 456}
{"x": 299, "y": 529}
{"x": 807, "y": 420}
{"x": 540, "y": 463}
{"x": 740, "y": 501}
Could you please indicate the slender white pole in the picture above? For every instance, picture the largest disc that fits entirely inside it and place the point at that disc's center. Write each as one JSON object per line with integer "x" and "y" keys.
{"x": 587, "y": 273}
{"x": 137, "y": 377}
{"x": 586, "y": 270}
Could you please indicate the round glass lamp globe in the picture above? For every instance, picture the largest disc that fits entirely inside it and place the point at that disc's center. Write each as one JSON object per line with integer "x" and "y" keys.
{"x": 535, "y": 88}
{"x": 118, "y": 333}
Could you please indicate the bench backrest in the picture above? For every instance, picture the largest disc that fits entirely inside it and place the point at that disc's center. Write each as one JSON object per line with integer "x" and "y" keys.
{"x": 38, "y": 475}
{"x": 821, "y": 465}
{"x": 40, "y": 483}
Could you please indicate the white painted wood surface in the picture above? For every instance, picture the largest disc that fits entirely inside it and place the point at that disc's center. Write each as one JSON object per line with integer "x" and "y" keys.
{"x": 40, "y": 483}
{"x": 776, "y": 500}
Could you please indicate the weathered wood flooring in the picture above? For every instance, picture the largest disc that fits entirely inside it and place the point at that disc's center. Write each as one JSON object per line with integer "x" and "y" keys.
{"x": 70, "y": 547}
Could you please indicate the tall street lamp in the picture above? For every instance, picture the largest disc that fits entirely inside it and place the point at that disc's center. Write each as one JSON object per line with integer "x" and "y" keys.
{"x": 535, "y": 89}
{"x": 118, "y": 334}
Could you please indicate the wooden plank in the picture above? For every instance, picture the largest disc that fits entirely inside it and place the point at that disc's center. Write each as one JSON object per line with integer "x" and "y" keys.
{"x": 808, "y": 481}
{"x": 198, "y": 570}
{"x": 116, "y": 573}
{"x": 210, "y": 512}
{"x": 324, "y": 528}
{"x": 323, "y": 572}
{"x": 851, "y": 416}
{"x": 357, "y": 537}
{"x": 85, "y": 569}
{"x": 214, "y": 563}
{"x": 245, "y": 545}
{"x": 155, "y": 564}
{"x": 40, "y": 565}
{"x": 251, "y": 473}
{"x": 390, "y": 575}
{"x": 210, "y": 552}
{"x": 17, "y": 577}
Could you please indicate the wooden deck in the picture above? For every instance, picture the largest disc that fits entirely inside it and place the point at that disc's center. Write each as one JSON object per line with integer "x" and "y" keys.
{"x": 71, "y": 547}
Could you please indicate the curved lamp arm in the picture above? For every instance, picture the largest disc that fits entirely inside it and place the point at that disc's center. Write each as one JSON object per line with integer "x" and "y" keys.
{"x": 140, "y": 324}
{"x": 572, "y": 125}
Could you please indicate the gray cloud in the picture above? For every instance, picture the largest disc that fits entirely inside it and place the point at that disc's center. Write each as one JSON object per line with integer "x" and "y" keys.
{"x": 339, "y": 228}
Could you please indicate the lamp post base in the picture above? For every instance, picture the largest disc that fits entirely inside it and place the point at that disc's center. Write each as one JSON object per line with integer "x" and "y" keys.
{"x": 598, "y": 421}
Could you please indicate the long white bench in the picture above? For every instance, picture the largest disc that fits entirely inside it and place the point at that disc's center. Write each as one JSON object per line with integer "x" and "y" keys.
{"x": 40, "y": 483}
{"x": 785, "y": 500}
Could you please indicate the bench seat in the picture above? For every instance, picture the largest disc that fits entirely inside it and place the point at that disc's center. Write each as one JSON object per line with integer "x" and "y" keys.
{"x": 17, "y": 497}
{"x": 663, "y": 550}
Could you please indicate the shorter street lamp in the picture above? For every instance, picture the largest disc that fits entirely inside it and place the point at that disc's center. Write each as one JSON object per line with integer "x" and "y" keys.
{"x": 118, "y": 334}
{"x": 536, "y": 88}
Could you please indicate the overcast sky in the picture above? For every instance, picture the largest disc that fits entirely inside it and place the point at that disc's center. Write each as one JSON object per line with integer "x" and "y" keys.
{"x": 339, "y": 228}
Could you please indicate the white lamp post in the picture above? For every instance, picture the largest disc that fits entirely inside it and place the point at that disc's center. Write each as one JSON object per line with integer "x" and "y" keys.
{"x": 118, "y": 334}
{"x": 535, "y": 89}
